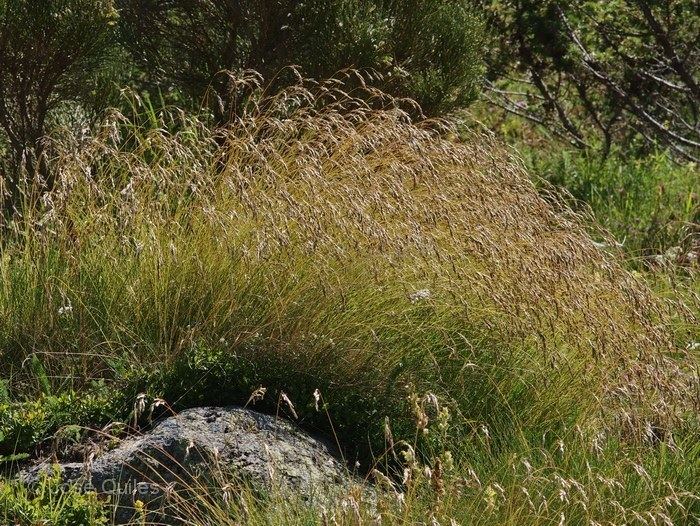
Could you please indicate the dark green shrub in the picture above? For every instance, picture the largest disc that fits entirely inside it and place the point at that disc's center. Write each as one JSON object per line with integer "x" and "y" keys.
{"x": 50, "y": 53}
{"x": 427, "y": 50}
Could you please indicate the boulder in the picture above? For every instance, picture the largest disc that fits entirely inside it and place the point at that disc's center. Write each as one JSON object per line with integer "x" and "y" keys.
{"x": 212, "y": 446}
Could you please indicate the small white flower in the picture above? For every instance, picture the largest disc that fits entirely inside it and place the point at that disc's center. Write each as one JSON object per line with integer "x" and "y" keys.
{"x": 65, "y": 310}
{"x": 673, "y": 253}
{"x": 128, "y": 190}
{"x": 317, "y": 398}
{"x": 484, "y": 430}
{"x": 420, "y": 295}
{"x": 560, "y": 446}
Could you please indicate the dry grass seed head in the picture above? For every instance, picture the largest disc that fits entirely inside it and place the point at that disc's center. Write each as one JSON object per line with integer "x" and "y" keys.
{"x": 311, "y": 172}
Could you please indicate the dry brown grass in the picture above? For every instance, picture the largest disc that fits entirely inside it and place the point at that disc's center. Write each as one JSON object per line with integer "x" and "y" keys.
{"x": 314, "y": 188}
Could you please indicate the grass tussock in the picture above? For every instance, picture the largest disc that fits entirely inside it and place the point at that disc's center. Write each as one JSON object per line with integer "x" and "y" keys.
{"x": 320, "y": 242}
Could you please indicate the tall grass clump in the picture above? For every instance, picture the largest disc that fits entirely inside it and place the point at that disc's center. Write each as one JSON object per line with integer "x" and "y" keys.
{"x": 325, "y": 242}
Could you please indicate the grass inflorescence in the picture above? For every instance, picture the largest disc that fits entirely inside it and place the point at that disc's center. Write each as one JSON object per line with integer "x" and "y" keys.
{"x": 325, "y": 243}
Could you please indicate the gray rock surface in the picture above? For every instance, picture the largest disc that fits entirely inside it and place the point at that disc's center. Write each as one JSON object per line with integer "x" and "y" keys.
{"x": 211, "y": 444}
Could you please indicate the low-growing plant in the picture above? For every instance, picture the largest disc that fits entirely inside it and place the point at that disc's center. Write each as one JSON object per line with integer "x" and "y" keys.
{"x": 23, "y": 425}
{"x": 49, "y": 502}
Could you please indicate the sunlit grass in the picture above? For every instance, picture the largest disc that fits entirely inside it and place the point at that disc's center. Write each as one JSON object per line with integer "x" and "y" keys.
{"x": 332, "y": 246}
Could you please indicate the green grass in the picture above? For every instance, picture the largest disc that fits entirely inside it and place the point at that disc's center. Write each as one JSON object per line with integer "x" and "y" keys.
{"x": 579, "y": 480}
{"x": 288, "y": 252}
{"x": 648, "y": 201}
{"x": 649, "y": 204}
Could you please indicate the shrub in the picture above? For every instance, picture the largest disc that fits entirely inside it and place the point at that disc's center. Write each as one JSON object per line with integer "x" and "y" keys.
{"x": 427, "y": 50}
{"x": 600, "y": 73}
{"x": 50, "y": 51}
{"x": 24, "y": 424}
